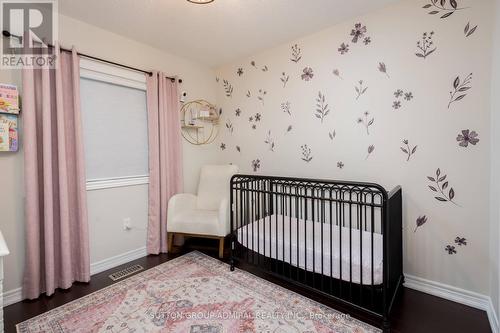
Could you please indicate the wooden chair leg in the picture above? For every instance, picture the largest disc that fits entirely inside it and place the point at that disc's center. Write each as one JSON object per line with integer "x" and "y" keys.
{"x": 221, "y": 247}
{"x": 170, "y": 240}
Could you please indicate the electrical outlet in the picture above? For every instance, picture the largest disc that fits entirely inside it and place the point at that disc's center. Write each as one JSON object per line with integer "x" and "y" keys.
{"x": 127, "y": 224}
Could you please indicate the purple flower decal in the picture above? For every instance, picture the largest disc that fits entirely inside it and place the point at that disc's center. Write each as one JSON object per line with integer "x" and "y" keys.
{"x": 420, "y": 222}
{"x": 467, "y": 137}
{"x": 223, "y": 146}
{"x": 340, "y": 165}
{"x": 367, "y": 40}
{"x": 239, "y": 71}
{"x": 398, "y": 93}
{"x": 450, "y": 249}
{"x": 460, "y": 241}
{"x": 237, "y": 112}
{"x": 256, "y": 165}
{"x": 344, "y": 48}
{"x": 396, "y": 105}
{"x": 308, "y": 74}
{"x": 358, "y": 32}
{"x": 408, "y": 96}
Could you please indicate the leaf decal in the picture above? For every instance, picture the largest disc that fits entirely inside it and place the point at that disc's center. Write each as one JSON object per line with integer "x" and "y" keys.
{"x": 439, "y": 187}
{"x": 459, "y": 88}
{"x": 451, "y": 194}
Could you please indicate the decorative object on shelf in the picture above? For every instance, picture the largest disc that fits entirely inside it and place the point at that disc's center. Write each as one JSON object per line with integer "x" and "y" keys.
{"x": 200, "y": 122}
{"x": 9, "y": 99}
{"x": 8, "y": 132}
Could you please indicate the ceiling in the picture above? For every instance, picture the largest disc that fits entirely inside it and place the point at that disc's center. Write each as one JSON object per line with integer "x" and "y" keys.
{"x": 219, "y": 32}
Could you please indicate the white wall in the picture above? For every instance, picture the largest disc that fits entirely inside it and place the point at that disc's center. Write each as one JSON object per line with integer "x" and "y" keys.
{"x": 425, "y": 121}
{"x": 495, "y": 165}
{"x": 107, "y": 208}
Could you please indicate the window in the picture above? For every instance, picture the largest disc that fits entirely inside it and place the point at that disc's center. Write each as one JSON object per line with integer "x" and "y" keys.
{"x": 115, "y": 133}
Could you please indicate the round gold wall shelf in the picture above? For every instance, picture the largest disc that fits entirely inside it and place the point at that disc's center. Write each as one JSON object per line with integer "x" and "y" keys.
{"x": 199, "y": 122}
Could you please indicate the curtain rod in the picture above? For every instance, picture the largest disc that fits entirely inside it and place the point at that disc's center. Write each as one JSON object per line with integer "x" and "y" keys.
{"x": 9, "y": 35}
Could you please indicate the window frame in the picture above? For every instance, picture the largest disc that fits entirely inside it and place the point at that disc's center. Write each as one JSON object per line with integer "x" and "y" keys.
{"x": 98, "y": 71}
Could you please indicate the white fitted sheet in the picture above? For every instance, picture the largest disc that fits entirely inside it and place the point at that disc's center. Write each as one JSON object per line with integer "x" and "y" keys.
{"x": 330, "y": 258}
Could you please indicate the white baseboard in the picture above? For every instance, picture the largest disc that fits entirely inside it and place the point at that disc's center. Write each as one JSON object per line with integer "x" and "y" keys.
{"x": 12, "y": 296}
{"x": 118, "y": 260}
{"x": 455, "y": 294}
{"x": 15, "y": 295}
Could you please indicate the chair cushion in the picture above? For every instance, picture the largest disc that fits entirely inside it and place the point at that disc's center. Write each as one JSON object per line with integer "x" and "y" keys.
{"x": 214, "y": 185}
{"x": 198, "y": 221}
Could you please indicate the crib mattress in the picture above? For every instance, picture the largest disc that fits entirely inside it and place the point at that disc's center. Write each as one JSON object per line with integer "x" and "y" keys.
{"x": 354, "y": 254}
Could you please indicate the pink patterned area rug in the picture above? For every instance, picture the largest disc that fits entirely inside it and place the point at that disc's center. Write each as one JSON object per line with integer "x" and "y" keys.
{"x": 194, "y": 293}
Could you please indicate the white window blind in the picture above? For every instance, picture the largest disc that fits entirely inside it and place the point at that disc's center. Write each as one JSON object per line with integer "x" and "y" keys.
{"x": 115, "y": 130}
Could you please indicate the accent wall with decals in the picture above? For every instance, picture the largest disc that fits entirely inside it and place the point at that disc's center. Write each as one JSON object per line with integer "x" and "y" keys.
{"x": 398, "y": 97}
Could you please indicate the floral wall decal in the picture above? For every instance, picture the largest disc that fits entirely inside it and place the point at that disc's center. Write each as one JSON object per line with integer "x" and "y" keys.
{"x": 289, "y": 129}
{"x": 360, "y": 89}
{"x": 286, "y": 107}
{"x": 344, "y": 48}
{"x": 366, "y": 122}
{"x": 229, "y": 126}
{"x": 256, "y": 165}
{"x": 217, "y": 79}
{"x": 284, "y": 79}
{"x": 408, "y": 150}
{"x": 459, "y": 89}
{"x": 228, "y": 88}
{"x": 270, "y": 141}
{"x": 239, "y": 71}
{"x": 336, "y": 72}
{"x": 426, "y": 45}
{"x": 254, "y": 119}
{"x": 308, "y": 74}
{"x": 222, "y": 146}
{"x": 296, "y": 53}
{"x": 421, "y": 220}
{"x": 265, "y": 68}
{"x": 444, "y": 8}
{"x": 358, "y": 32}
{"x": 322, "y": 109}
{"x": 450, "y": 249}
{"x": 248, "y": 94}
{"x": 468, "y": 31}
{"x": 306, "y": 153}
{"x": 332, "y": 135}
{"x": 383, "y": 68}
{"x": 371, "y": 148}
{"x": 237, "y": 112}
{"x": 238, "y": 149}
{"x": 253, "y": 64}
{"x": 340, "y": 165}
{"x": 466, "y": 137}
{"x": 460, "y": 241}
{"x": 262, "y": 95}
{"x": 441, "y": 188}
{"x": 400, "y": 94}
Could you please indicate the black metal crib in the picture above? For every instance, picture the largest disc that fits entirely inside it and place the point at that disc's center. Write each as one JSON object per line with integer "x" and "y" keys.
{"x": 340, "y": 239}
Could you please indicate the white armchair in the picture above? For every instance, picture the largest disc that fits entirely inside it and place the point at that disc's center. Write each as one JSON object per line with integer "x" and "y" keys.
{"x": 207, "y": 213}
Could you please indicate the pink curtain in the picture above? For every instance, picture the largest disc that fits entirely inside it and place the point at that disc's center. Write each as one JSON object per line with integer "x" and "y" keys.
{"x": 57, "y": 246}
{"x": 165, "y": 156}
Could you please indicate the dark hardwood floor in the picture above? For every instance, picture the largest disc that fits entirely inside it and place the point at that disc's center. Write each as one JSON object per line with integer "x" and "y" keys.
{"x": 413, "y": 312}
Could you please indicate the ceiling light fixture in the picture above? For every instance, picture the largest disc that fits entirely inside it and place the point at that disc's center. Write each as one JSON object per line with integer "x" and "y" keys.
{"x": 200, "y": 2}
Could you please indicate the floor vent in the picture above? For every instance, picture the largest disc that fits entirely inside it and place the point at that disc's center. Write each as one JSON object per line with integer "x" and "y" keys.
{"x": 125, "y": 272}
